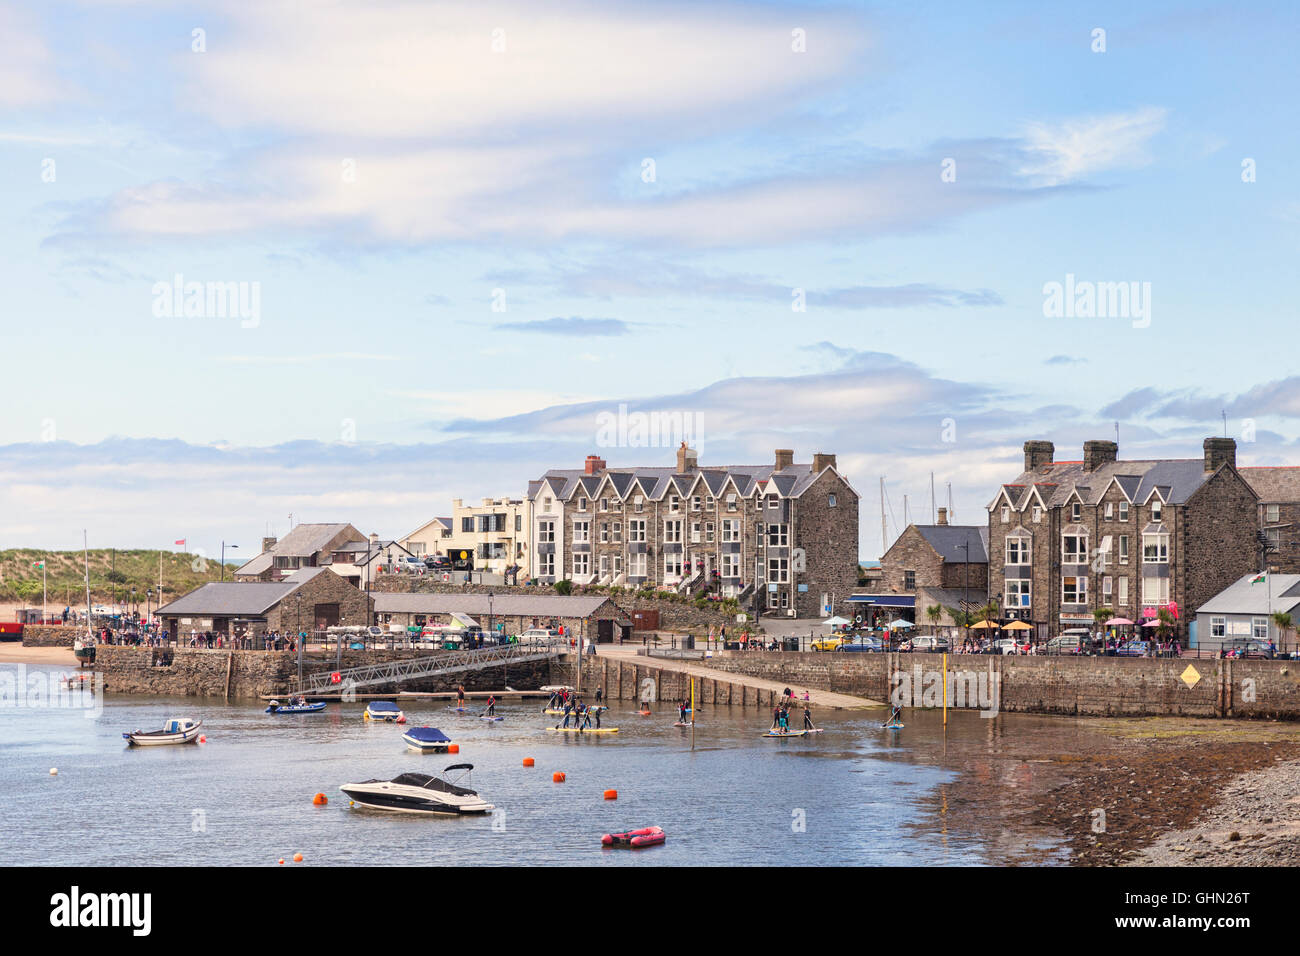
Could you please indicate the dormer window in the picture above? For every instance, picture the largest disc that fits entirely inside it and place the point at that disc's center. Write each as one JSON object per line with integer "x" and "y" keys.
{"x": 674, "y": 504}
{"x": 1006, "y": 514}
{"x": 638, "y": 503}
{"x": 1155, "y": 509}
{"x": 731, "y": 502}
{"x": 582, "y": 504}
{"x": 1110, "y": 510}
{"x": 1076, "y": 511}
{"x": 1037, "y": 514}
{"x": 604, "y": 504}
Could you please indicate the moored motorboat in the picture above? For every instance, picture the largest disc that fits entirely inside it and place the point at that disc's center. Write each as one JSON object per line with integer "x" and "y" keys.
{"x": 384, "y": 710}
{"x": 635, "y": 839}
{"x": 297, "y": 705}
{"x": 181, "y": 730}
{"x": 418, "y": 793}
{"x": 427, "y": 740}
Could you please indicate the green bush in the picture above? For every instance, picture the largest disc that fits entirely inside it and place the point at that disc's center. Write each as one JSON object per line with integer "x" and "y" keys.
{"x": 564, "y": 587}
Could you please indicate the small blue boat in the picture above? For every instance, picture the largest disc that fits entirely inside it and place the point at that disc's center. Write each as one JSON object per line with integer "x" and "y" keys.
{"x": 298, "y": 706}
{"x": 427, "y": 740}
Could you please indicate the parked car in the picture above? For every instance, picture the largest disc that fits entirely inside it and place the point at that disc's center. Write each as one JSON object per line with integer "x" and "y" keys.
{"x": 437, "y": 562}
{"x": 411, "y": 563}
{"x": 929, "y": 644}
{"x": 1065, "y": 644}
{"x": 832, "y": 643}
{"x": 539, "y": 635}
{"x": 871, "y": 645}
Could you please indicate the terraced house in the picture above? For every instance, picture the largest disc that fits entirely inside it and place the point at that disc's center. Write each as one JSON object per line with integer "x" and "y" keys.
{"x": 1069, "y": 537}
{"x": 782, "y": 537}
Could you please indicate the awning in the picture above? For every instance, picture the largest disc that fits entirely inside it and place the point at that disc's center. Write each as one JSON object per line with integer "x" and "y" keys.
{"x": 983, "y": 624}
{"x": 1117, "y": 621}
{"x": 1019, "y": 626}
{"x": 885, "y": 600}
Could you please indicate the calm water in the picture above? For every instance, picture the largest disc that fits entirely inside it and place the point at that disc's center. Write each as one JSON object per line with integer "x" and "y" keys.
{"x": 867, "y": 796}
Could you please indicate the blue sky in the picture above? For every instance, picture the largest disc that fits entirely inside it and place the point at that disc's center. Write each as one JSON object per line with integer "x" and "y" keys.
{"x": 378, "y": 171}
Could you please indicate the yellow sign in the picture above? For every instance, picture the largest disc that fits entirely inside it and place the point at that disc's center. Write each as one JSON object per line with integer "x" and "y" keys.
{"x": 1191, "y": 677}
{"x": 464, "y": 555}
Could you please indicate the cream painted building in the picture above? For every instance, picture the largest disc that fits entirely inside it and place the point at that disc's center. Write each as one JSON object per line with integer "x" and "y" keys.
{"x": 494, "y": 532}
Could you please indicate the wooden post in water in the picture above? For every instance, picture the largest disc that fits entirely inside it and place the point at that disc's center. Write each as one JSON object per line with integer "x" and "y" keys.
{"x": 945, "y": 691}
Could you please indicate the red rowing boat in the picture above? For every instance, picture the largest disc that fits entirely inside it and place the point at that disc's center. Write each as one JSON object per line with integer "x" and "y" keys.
{"x": 635, "y": 839}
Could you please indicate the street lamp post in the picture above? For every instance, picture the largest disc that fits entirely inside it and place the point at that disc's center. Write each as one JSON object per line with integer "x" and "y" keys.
{"x": 233, "y": 547}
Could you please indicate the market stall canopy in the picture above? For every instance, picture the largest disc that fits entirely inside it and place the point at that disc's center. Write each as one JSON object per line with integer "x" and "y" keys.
{"x": 1117, "y": 621}
{"x": 982, "y": 624}
{"x": 1019, "y": 626}
{"x": 901, "y": 623}
{"x": 836, "y": 621}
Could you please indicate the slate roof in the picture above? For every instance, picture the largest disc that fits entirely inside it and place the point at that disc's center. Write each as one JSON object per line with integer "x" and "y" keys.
{"x": 1176, "y": 479}
{"x": 524, "y": 605}
{"x": 660, "y": 481}
{"x": 303, "y": 541}
{"x": 1242, "y": 597}
{"x": 948, "y": 539}
{"x": 1273, "y": 484}
{"x": 231, "y": 599}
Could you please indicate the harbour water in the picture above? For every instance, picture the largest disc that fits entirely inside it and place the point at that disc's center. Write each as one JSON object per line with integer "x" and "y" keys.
{"x": 853, "y": 795}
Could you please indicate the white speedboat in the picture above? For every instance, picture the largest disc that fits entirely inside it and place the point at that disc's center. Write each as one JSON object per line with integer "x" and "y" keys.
{"x": 418, "y": 793}
{"x": 384, "y": 710}
{"x": 177, "y": 731}
{"x": 427, "y": 740}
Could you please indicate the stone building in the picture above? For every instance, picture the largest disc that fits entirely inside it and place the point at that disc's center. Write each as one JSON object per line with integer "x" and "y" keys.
{"x": 782, "y": 538}
{"x": 305, "y": 600}
{"x": 306, "y": 546}
{"x": 595, "y": 617}
{"x": 1279, "y": 512}
{"x": 1069, "y": 537}
{"x": 940, "y": 565}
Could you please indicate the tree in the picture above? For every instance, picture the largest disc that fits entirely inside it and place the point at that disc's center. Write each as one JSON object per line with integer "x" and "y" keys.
{"x": 1284, "y": 623}
{"x": 934, "y": 612}
{"x": 1103, "y": 614}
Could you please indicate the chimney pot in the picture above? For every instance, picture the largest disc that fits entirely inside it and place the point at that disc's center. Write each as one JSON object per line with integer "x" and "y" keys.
{"x": 784, "y": 459}
{"x": 1098, "y": 453}
{"x": 1038, "y": 454}
{"x": 822, "y": 462}
{"x": 943, "y": 516}
{"x": 687, "y": 459}
{"x": 1220, "y": 452}
{"x": 595, "y": 465}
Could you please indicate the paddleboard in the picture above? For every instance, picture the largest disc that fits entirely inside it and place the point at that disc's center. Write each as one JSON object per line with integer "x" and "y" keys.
{"x": 682, "y": 723}
{"x": 460, "y": 710}
{"x": 792, "y": 733}
{"x": 485, "y": 717}
{"x": 645, "y": 713}
{"x": 589, "y": 730}
{"x": 892, "y": 727}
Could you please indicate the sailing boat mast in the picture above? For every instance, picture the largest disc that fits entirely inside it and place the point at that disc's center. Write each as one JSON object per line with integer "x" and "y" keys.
{"x": 933, "y": 516}
{"x": 85, "y": 549}
{"x": 884, "y": 530}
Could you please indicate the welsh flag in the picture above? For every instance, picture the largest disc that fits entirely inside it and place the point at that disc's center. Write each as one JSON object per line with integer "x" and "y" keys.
{"x": 1259, "y": 579}
{"x": 38, "y": 565}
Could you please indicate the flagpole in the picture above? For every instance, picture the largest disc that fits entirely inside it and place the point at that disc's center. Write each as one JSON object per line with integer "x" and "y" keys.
{"x": 45, "y": 597}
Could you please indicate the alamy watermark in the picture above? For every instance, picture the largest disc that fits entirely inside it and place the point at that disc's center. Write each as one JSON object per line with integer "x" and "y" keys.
{"x": 666, "y": 429}
{"x": 179, "y": 299}
{"x": 46, "y": 690}
{"x": 1084, "y": 299}
{"x": 966, "y": 689}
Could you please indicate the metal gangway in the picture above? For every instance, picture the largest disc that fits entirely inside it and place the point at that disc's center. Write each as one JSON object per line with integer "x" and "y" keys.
{"x": 431, "y": 665}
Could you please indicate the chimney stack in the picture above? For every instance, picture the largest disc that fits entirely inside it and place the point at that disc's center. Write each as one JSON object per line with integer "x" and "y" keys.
{"x": 1038, "y": 454}
{"x": 595, "y": 465}
{"x": 269, "y": 543}
{"x": 1098, "y": 453}
{"x": 784, "y": 459}
{"x": 687, "y": 460}
{"x": 821, "y": 462}
{"x": 1220, "y": 452}
{"x": 943, "y": 516}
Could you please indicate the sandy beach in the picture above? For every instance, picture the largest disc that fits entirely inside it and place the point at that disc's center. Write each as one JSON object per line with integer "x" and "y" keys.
{"x": 15, "y": 653}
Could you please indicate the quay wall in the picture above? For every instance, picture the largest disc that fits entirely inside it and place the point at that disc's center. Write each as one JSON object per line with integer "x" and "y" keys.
{"x": 1071, "y": 686}
{"x": 195, "y": 672}
{"x": 51, "y": 635}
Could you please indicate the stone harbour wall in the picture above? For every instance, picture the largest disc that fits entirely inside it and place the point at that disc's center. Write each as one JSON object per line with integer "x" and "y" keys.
{"x": 51, "y": 635}
{"x": 191, "y": 672}
{"x": 1070, "y": 686}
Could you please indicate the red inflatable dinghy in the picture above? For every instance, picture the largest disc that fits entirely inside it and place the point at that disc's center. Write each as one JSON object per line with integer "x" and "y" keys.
{"x": 635, "y": 839}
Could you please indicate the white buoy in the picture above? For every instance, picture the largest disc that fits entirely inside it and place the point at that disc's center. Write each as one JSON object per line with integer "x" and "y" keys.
{"x": 54, "y": 771}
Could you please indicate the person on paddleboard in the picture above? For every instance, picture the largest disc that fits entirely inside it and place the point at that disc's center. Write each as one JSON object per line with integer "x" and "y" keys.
{"x": 681, "y": 709}
{"x": 807, "y": 719}
{"x": 460, "y": 696}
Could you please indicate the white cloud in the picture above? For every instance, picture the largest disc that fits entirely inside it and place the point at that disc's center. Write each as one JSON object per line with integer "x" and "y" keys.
{"x": 1067, "y": 151}
{"x": 27, "y": 76}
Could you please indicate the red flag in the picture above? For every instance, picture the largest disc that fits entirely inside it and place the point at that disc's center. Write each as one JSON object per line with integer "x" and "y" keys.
{"x": 181, "y": 542}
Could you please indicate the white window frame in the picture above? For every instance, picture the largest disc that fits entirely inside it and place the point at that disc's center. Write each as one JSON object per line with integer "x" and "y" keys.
{"x": 636, "y": 530}
{"x": 1121, "y": 593}
{"x": 582, "y": 532}
{"x": 546, "y": 532}
{"x": 1081, "y": 544}
{"x": 1218, "y": 627}
{"x": 1022, "y": 552}
{"x": 1019, "y": 588}
{"x": 582, "y": 563}
{"x": 781, "y": 534}
{"x": 1157, "y": 509}
{"x": 1159, "y": 544}
{"x": 778, "y": 570}
{"x": 1123, "y": 511}
{"x": 1081, "y": 589}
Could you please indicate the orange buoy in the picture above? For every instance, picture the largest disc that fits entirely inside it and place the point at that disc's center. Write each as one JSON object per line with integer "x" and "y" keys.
{"x": 297, "y": 858}
{"x": 528, "y": 761}
{"x": 611, "y": 794}
{"x": 320, "y": 800}
{"x": 203, "y": 738}
{"x": 557, "y": 777}
{"x": 282, "y": 861}
{"x": 453, "y": 748}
